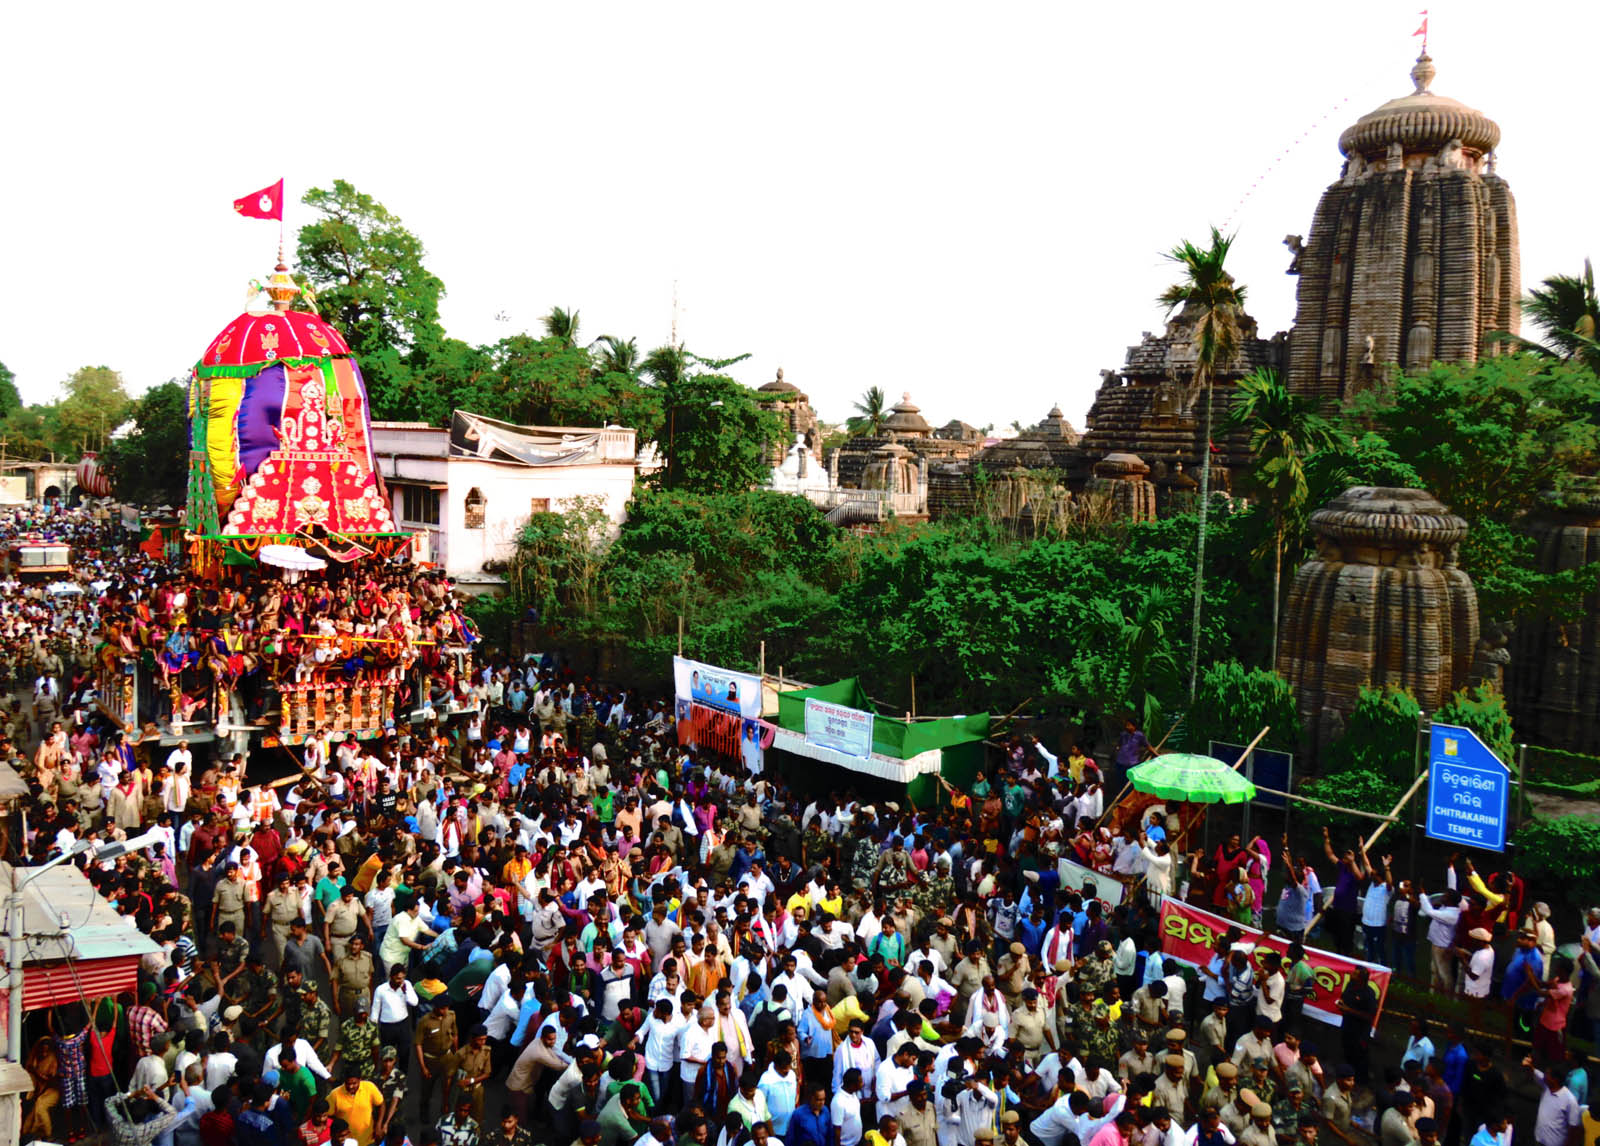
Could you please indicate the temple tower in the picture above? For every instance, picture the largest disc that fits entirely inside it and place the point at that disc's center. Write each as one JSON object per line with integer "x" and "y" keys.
{"x": 1383, "y": 602}
{"x": 1413, "y": 255}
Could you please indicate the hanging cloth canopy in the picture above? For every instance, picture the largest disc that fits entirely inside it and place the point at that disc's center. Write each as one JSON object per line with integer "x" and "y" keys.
{"x": 1197, "y": 779}
{"x": 291, "y": 557}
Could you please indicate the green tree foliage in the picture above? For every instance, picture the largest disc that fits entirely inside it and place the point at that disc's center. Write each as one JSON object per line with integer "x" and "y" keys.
{"x": 1489, "y": 438}
{"x": 1285, "y": 429}
{"x": 1557, "y": 855}
{"x": 871, "y": 413}
{"x": 95, "y": 404}
{"x": 714, "y": 436}
{"x": 150, "y": 466}
{"x": 1482, "y": 709}
{"x": 368, "y": 275}
{"x": 1380, "y": 737}
{"x": 1566, "y": 310}
{"x": 1364, "y": 789}
{"x": 10, "y": 397}
{"x": 1234, "y": 703}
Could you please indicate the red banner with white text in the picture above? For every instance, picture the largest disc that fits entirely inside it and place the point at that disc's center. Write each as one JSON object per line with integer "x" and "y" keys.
{"x": 1190, "y": 934}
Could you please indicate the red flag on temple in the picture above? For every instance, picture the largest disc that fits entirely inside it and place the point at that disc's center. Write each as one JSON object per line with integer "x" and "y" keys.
{"x": 1423, "y": 30}
{"x": 266, "y": 203}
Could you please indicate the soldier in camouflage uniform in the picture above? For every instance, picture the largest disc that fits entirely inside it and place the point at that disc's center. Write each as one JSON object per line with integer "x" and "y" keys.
{"x": 937, "y": 891}
{"x": 863, "y": 860}
{"x": 1097, "y": 971}
{"x": 1261, "y": 1081}
{"x": 229, "y": 953}
{"x": 358, "y": 1042}
{"x": 316, "y": 1019}
{"x": 1099, "y": 1038}
{"x": 1287, "y": 1112}
{"x": 253, "y": 988}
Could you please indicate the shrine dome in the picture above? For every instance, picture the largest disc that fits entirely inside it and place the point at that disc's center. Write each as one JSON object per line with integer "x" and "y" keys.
{"x": 257, "y": 338}
{"x": 1420, "y": 122}
{"x": 267, "y": 336}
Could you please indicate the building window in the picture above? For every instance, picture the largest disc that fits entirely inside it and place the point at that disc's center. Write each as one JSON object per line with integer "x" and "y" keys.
{"x": 539, "y": 505}
{"x": 475, "y": 507}
{"x": 419, "y": 505}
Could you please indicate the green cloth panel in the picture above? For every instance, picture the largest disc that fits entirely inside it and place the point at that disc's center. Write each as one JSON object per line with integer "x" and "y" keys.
{"x": 234, "y": 557}
{"x": 901, "y": 739}
{"x": 250, "y": 370}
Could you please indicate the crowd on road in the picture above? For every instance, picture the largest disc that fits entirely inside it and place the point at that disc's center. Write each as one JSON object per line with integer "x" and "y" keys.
{"x": 551, "y": 919}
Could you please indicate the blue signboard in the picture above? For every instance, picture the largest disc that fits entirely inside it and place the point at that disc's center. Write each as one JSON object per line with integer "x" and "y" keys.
{"x": 1265, "y": 768}
{"x": 1469, "y": 790}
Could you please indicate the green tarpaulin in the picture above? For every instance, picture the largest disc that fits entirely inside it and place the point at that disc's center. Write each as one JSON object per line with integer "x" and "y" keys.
{"x": 959, "y": 738}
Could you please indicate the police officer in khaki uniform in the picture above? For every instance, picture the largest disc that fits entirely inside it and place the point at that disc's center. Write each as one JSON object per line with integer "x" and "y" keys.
{"x": 340, "y": 920}
{"x": 437, "y": 1046}
{"x": 227, "y": 902}
{"x": 352, "y": 976}
{"x": 282, "y": 907}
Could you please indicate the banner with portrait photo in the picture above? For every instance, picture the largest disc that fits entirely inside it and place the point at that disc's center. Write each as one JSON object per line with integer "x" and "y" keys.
{"x": 730, "y": 691}
{"x": 1190, "y": 934}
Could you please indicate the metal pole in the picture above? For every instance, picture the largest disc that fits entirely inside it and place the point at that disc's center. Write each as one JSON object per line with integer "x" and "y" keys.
{"x": 14, "y": 973}
{"x": 1522, "y": 784}
{"x": 1416, "y": 773}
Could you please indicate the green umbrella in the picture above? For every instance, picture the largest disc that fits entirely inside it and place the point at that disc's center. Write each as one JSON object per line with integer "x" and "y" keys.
{"x": 1185, "y": 776}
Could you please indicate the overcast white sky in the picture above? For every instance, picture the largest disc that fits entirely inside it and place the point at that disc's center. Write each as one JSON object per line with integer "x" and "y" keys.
{"x": 966, "y": 202}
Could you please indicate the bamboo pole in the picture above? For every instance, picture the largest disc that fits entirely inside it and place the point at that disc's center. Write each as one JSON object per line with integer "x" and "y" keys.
{"x": 1393, "y": 817}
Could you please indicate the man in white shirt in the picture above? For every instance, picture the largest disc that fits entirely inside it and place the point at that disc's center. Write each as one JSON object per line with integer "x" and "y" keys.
{"x": 855, "y": 1051}
{"x": 659, "y": 1037}
{"x": 845, "y": 1108}
{"x": 894, "y": 1077}
{"x": 304, "y": 1053}
{"x": 392, "y": 1003}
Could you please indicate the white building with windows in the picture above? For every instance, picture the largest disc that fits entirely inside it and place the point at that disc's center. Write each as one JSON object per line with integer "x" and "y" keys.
{"x": 470, "y": 488}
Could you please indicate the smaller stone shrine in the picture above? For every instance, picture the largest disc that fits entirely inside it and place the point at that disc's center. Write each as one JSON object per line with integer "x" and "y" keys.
{"x": 791, "y": 404}
{"x": 1383, "y": 602}
{"x": 906, "y": 427}
{"x": 1123, "y": 480}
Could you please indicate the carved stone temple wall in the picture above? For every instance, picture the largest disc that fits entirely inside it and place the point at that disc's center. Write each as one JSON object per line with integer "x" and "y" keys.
{"x": 1553, "y": 679}
{"x": 1383, "y": 602}
{"x": 1413, "y": 256}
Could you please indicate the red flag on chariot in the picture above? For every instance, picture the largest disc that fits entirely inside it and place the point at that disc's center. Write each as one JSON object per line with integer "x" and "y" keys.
{"x": 266, "y": 203}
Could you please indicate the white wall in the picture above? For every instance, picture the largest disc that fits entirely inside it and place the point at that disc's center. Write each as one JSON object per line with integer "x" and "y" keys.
{"x": 509, "y": 492}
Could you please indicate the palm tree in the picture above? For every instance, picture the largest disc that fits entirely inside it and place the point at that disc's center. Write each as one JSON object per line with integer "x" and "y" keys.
{"x": 871, "y": 413}
{"x": 1284, "y": 430}
{"x": 1567, "y": 310}
{"x": 666, "y": 366}
{"x": 1210, "y": 297}
{"x": 617, "y": 355}
{"x": 562, "y": 325}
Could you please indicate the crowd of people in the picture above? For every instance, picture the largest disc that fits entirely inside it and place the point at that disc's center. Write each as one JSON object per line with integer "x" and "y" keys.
{"x": 551, "y": 919}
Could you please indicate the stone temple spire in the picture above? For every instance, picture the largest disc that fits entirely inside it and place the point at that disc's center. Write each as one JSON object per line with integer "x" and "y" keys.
{"x": 1413, "y": 254}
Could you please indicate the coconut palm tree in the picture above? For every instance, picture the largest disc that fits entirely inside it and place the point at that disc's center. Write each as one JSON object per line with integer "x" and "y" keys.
{"x": 871, "y": 413}
{"x": 617, "y": 355}
{"x": 1567, "y": 310}
{"x": 1284, "y": 430}
{"x": 562, "y": 325}
{"x": 1215, "y": 303}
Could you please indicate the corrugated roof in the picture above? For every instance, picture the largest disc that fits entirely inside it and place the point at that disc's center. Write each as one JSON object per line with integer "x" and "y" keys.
{"x": 64, "y": 916}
